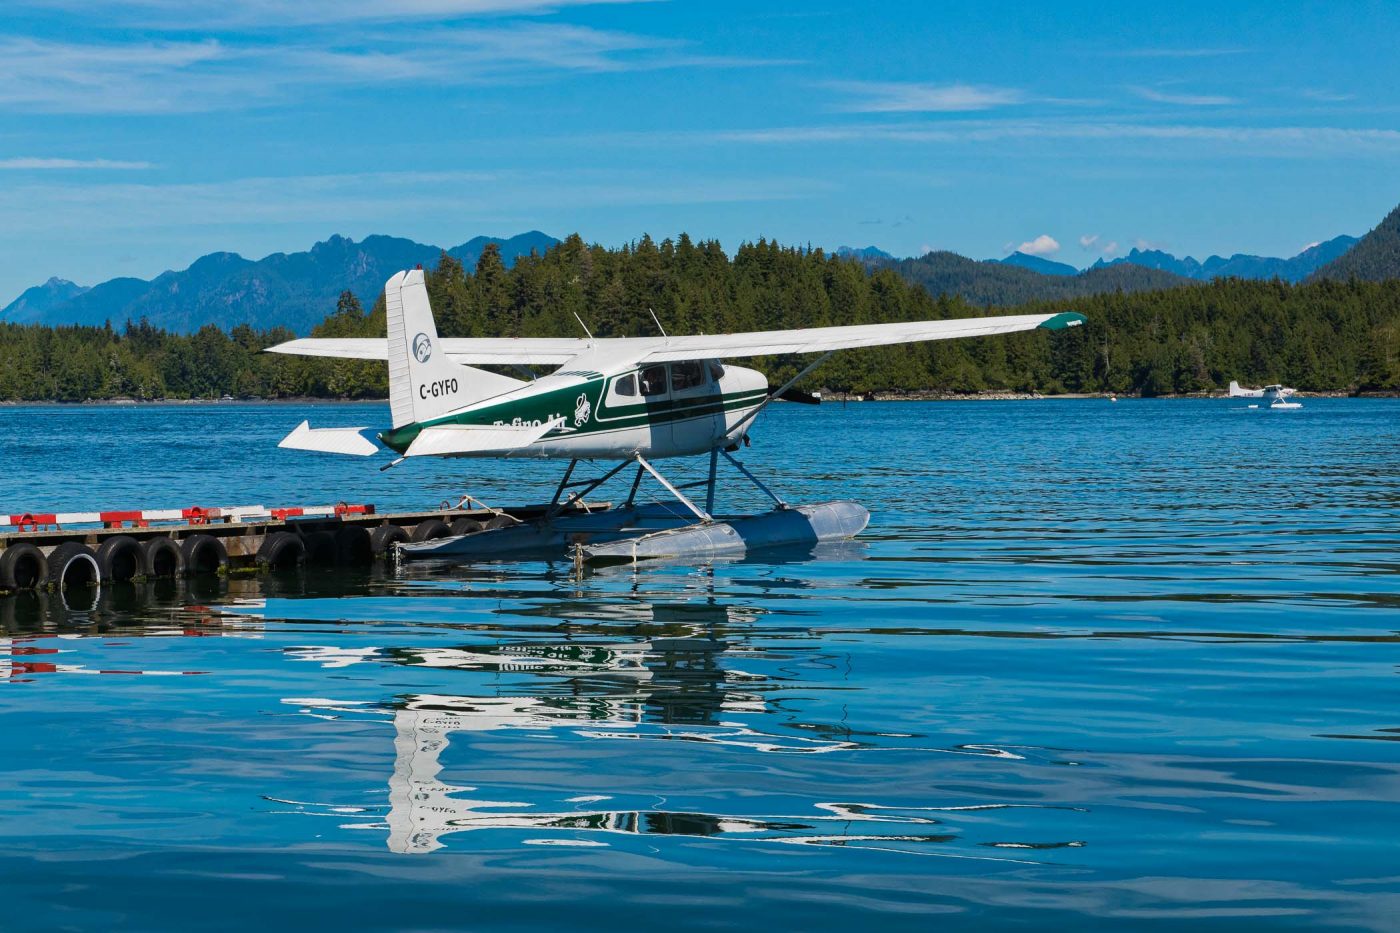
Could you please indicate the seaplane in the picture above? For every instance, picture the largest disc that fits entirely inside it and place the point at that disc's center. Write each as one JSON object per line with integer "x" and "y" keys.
{"x": 1276, "y": 396}
{"x": 625, "y": 401}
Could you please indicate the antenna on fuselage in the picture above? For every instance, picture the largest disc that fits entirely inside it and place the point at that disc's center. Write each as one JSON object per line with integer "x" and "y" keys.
{"x": 658, "y": 323}
{"x": 583, "y": 325}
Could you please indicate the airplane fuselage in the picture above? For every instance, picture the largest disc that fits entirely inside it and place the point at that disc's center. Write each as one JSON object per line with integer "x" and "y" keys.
{"x": 658, "y": 410}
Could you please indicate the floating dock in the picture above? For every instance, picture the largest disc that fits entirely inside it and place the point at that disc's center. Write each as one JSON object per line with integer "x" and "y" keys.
{"x": 66, "y": 549}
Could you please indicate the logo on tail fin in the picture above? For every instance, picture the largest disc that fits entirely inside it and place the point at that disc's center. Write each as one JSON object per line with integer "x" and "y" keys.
{"x": 422, "y": 348}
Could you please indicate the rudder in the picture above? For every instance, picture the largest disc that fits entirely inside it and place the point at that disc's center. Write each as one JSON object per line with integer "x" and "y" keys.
{"x": 423, "y": 383}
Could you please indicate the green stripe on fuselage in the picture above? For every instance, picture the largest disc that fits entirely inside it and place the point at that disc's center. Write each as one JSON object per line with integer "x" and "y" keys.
{"x": 568, "y": 403}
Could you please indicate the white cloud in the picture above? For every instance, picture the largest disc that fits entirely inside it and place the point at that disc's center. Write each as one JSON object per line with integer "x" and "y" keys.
{"x": 1109, "y": 249}
{"x": 28, "y": 163}
{"x": 181, "y": 77}
{"x": 383, "y": 200}
{"x": 1202, "y": 52}
{"x": 1327, "y": 97}
{"x": 280, "y": 14}
{"x": 1043, "y": 245}
{"x": 1088, "y": 240}
{"x": 1183, "y": 100}
{"x": 1279, "y": 141}
{"x": 895, "y": 97}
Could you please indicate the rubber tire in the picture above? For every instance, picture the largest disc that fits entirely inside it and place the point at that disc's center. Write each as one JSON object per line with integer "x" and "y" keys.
{"x": 282, "y": 550}
{"x": 162, "y": 558}
{"x": 320, "y": 548}
{"x": 120, "y": 559}
{"x": 199, "y": 551}
{"x": 73, "y": 564}
{"x": 466, "y": 526}
{"x": 429, "y": 529}
{"x": 22, "y": 567}
{"x": 353, "y": 547}
{"x": 499, "y": 521}
{"x": 383, "y": 538}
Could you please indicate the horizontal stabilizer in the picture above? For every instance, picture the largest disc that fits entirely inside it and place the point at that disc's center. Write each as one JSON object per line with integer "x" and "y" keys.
{"x": 458, "y": 440}
{"x": 330, "y": 440}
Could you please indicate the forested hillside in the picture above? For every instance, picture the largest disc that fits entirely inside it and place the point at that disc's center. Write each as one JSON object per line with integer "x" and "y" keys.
{"x": 1319, "y": 336}
{"x": 1005, "y": 283}
{"x": 1374, "y": 258}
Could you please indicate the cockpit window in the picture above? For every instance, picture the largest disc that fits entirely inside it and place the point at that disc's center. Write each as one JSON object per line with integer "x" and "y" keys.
{"x": 653, "y": 380}
{"x": 626, "y": 386}
{"x": 716, "y": 369}
{"x": 686, "y": 375}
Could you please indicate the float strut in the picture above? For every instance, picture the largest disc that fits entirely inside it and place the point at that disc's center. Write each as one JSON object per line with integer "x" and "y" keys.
{"x": 710, "y": 488}
{"x": 588, "y": 485}
{"x": 755, "y": 480}
{"x": 704, "y": 516}
{"x": 636, "y": 482}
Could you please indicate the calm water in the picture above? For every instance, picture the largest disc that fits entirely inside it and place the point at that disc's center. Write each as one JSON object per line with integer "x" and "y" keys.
{"x": 1092, "y": 666}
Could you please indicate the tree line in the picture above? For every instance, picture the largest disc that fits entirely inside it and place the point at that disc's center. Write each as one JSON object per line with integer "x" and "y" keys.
{"x": 1317, "y": 336}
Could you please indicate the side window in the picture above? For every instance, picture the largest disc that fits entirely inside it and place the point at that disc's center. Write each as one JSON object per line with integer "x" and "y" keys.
{"x": 626, "y": 386}
{"x": 687, "y": 375}
{"x": 653, "y": 380}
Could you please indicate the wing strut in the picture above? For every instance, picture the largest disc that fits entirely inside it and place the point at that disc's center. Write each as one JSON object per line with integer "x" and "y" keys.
{"x": 783, "y": 388}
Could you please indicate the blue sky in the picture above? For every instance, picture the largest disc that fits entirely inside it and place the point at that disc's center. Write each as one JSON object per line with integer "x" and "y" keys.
{"x": 136, "y": 136}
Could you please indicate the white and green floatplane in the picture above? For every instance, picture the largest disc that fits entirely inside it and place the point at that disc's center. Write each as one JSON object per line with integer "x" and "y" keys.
{"x": 624, "y": 401}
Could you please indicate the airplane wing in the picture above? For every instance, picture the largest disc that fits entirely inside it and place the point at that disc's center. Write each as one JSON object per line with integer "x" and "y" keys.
{"x": 826, "y": 339}
{"x": 556, "y": 351}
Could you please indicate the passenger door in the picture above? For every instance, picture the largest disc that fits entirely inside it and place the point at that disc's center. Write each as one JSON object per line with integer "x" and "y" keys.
{"x": 697, "y": 410}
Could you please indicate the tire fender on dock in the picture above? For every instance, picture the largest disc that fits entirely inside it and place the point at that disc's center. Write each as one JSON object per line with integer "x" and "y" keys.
{"x": 162, "y": 558}
{"x": 22, "y": 567}
{"x": 320, "y": 548}
{"x": 119, "y": 559}
{"x": 430, "y": 529}
{"x": 203, "y": 554}
{"x": 353, "y": 547}
{"x": 383, "y": 538}
{"x": 465, "y": 526}
{"x": 282, "y": 550}
{"x": 73, "y": 564}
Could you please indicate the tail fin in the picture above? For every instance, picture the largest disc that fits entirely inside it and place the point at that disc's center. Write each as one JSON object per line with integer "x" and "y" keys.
{"x": 423, "y": 383}
{"x": 1234, "y": 387}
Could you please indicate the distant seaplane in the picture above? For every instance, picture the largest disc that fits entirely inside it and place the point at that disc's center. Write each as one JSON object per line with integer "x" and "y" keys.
{"x": 1276, "y": 396}
{"x": 631, "y": 400}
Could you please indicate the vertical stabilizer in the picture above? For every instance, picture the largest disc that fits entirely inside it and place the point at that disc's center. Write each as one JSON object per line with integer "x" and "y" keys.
{"x": 423, "y": 383}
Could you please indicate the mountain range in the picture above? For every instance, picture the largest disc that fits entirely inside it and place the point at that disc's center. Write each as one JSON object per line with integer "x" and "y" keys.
{"x": 1241, "y": 265}
{"x": 864, "y": 253}
{"x": 1037, "y": 264}
{"x": 294, "y": 290}
{"x": 1001, "y": 283}
{"x": 298, "y": 290}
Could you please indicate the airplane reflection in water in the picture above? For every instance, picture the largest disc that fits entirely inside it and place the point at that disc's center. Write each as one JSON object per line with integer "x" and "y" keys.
{"x": 672, "y": 687}
{"x": 596, "y": 670}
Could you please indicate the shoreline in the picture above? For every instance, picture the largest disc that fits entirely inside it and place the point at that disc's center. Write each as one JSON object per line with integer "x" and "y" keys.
{"x": 923, "y": 396}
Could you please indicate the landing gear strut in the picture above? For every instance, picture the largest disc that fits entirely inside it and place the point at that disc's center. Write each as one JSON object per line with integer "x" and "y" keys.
{"x": 560, "y": 502}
